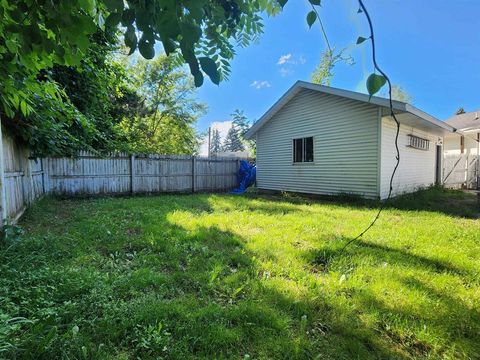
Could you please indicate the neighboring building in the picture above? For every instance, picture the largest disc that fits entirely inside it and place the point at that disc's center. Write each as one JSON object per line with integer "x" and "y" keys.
{"x": 233, "y": 154}
{"x": 462, "y": 151}
{"x": 322, "y": 140}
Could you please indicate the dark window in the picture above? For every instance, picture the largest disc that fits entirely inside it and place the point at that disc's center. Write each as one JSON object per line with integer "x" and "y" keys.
{"x": 303, "y": 150}
{"x": 308, "y": 149}
{"x": 297, "y": 150}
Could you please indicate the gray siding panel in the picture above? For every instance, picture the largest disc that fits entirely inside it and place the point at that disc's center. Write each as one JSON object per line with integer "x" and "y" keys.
{"x": 345, "y": 146}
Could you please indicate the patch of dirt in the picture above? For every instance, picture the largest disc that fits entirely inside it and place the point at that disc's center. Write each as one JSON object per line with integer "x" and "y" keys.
{"x": 134, "y": 231}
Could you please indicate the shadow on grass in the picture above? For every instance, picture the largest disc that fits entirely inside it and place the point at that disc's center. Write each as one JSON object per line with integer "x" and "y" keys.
{"x": 321, "y": 259}
{"x": 135, "y": 283}
{"x": 435, "y": 199}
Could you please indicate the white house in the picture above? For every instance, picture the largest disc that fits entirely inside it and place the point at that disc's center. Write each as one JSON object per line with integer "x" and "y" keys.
{"x": 322, "y": 140}
{"x": 462, "y": 150}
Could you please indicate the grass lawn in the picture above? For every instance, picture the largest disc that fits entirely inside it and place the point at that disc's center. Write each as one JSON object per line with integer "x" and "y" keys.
{"x": 257, "y": 277}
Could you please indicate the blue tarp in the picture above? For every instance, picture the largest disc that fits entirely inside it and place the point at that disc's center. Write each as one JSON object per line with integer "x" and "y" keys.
{"x": 246, "y": 177}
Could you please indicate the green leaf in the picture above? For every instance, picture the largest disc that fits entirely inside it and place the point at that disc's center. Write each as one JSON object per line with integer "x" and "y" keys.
{"x": 113, "y": 5}
{"x": 142, "y": 19}
{"x": 191, "y": 33}
{"x": 360, "y": 40}
{"x": 146, "y": 49}
{"x": 282, "y": 2}
{"x": 113, "y": 20}
{"x": 311, "y": 17}
{"x": 128, "y": 17}
{"x": 315, "y": 2}
{"x": 24, "y": 108}
{"x": 131, "y": 39}
{"x": 88, "y": 6}
{"x": 210, "y": 67}
{"x": 198, "y": 78}
{"x": 375, "y": 83}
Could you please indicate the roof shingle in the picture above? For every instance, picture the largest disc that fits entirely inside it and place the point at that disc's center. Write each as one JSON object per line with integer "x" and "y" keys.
{"x": 465, "y": 120}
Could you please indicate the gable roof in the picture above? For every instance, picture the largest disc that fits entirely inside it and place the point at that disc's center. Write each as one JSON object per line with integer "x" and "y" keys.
{"x": 465, "y": 121}
{"x": 375, "y": 100}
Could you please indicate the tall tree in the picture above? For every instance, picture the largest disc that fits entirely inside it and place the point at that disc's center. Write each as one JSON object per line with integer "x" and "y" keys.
{"x": 93, "y": 99}
{"x": 169, "y": 95}
{"x": 216, "y": 142}
{"x": 241, "y": 122}
{"x": 36, "y": 36}
{"x": 233, "y": 141}
{"x": 323, "y": 73}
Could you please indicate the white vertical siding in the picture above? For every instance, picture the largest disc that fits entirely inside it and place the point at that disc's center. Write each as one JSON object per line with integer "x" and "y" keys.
{"x": 417, "y": 167}
{"x": 346, "y": 139}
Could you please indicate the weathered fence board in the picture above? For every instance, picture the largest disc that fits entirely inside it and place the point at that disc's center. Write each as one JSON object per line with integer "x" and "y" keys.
{"x": 22, "y": 180}
{"x": 90, "y": 175}
{"x": 461, "y": 171}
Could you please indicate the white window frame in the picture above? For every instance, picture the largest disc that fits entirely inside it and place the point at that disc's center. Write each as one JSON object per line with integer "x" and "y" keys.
{"x": 304, "y": 150}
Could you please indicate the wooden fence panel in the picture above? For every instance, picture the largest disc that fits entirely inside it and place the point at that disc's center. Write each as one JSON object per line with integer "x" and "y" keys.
{"x": 461, "y": 171}
{"x": 22, "y": 180}
{"x": 38, "y": 187}
{"x": 215, "y": 174}
{"x": 91, "y": 175}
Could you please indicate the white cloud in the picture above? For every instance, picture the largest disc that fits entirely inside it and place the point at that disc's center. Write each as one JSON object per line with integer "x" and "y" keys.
{"x": 291, "y": 59}
{"x": 284, "y": 59}
{"x": 286, "y": 71}
{"x": 222, "y": 127}
{"x": 288, "y": 62}
{"x": 260, "y": 84}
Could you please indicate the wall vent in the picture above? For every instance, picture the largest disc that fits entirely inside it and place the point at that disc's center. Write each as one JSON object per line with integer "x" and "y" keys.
{"x": 418, "y": 142}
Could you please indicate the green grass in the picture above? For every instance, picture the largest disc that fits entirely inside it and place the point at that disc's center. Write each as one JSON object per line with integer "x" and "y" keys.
{"x": 259, "y": 277}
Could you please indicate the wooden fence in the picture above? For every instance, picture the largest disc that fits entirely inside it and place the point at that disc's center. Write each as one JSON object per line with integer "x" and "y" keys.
{"x": 22, "y": 180}
{"x": 461, "y": 171}
{"x": 138, "y": 174}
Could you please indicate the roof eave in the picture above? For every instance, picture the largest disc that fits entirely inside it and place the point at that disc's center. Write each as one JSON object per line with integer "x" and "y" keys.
{"x": 374, "y": 100}
{"x": 291, "y": 92}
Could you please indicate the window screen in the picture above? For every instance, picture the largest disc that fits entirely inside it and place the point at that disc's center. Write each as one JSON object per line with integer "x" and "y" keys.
{"x": 303, "y": 150}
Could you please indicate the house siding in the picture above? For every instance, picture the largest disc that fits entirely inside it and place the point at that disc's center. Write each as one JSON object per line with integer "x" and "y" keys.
{"x": 417, "y": 167}
{"x": 346, "y": 136}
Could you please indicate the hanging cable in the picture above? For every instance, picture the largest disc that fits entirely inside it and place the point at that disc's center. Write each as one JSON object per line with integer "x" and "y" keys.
{"x": 392, "y": 113}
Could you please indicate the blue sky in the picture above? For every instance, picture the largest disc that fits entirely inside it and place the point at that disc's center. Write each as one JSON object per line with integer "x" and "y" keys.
{"x": 429, "y": 47}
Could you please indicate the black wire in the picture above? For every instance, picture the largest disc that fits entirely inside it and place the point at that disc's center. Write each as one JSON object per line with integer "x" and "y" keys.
{"x": 392, "y": 113}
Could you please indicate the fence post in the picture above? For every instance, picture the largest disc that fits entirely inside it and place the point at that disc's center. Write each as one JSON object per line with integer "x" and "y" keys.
{"x": 28, "y": 177}
{"x": 3, "y": 195}
{"x": 45, "y": 176}
{"x": 132, "y": 174}
{"x": 193, "y": 174}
